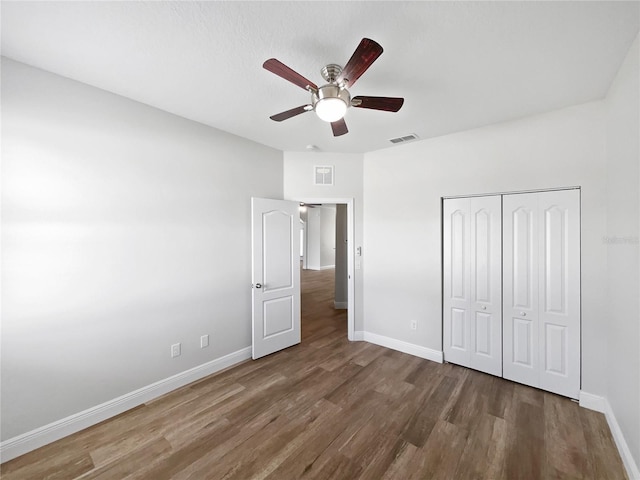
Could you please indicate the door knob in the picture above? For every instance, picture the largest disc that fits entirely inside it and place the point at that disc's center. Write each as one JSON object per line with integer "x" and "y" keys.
{"x": 524, "y": 314}
{"x": 258, "y": 285}
{"x": 484, "y": 307}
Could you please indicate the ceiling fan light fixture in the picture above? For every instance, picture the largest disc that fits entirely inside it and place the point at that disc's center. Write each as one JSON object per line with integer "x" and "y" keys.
{"x": 330, "y": 102}
{"x": 331, "y": 109}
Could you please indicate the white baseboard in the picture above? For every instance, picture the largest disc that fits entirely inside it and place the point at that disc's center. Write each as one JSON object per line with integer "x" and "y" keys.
{"x": 327, "y": 267}
{"x": 340, "y": 305}
{"x": 358, "y": 336}
{"x": 592, "y": 402}
{"x": 16, "y": 446}
{"x": 629, "y": 463}
{"x": 405, "y": 347}
{"x": 601, "y": 404}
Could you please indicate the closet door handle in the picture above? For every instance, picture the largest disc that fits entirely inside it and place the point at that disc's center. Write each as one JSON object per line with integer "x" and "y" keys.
{"x": 484, "y": 307}
{"x": 524, "y": 314}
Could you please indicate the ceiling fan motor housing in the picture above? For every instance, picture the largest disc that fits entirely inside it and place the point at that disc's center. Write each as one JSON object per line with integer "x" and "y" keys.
{"x": 331, "y": 72}
{"x": 331, "y": 91}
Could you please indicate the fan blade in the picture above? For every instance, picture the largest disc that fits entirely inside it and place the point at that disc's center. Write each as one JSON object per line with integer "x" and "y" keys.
{"x": 339, "y": 127}
{"x": 366, "y": 53}
{"x": 280, "y": 69}
{"x": 278, "y": 117}
{"x": 388, "y": 104}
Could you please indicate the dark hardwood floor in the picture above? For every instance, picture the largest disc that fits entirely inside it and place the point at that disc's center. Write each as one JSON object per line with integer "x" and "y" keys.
{"x": 331, "y": 409}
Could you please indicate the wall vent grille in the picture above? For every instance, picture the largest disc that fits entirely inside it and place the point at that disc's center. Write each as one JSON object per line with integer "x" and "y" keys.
{"x": 406, "y": 138}
{"x": 323, "y": 175}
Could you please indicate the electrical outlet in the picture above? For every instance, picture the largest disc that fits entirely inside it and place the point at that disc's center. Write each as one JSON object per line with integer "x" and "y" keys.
{"x": 414, "y": 325}
{"x": 175, "y": 350}
{"x": 204, "y": 341}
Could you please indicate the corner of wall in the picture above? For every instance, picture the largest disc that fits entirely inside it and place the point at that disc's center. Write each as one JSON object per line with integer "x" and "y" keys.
{"x": 601, "y": 404}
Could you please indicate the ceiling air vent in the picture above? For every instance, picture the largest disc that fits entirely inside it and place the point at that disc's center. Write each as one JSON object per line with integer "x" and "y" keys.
{"x": 323, "y": 175}
{"x": 406, "y": 138}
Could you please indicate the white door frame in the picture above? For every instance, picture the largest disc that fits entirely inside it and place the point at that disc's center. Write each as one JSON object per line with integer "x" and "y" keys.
{"x": 350, "y": 255}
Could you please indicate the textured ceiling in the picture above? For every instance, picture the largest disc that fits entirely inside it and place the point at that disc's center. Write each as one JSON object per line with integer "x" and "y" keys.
{"x": 459, "y": 65}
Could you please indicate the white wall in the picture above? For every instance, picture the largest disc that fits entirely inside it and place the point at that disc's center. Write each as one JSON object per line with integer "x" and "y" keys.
{"x": 298, "y": 185}
{"x": 403, "y": 186}
{"x": 321, "y": 236}
{"x": 124, "y": 229}
{"x": 327, "y": 236}
{"x": 341, "y": 287}
{"x": 313, "y": 238}
{"x": 622, "y": 243}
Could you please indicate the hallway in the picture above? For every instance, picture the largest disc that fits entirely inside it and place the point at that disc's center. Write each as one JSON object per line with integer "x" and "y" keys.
{"x": 319, "y": 317}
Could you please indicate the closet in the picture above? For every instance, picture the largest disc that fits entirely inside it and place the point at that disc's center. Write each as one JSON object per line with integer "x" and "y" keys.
{"x": 511, "y": 287}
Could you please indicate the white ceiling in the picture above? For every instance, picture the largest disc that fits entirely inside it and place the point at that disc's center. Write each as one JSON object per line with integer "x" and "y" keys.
{"x": 459, "y": 65}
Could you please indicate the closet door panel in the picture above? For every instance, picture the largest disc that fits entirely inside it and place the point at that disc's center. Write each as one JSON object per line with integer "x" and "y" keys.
{"x": 560, "y": 292}
{"x": 523, "y": 246}
{"x": 520, "y": 273}
{"x": 459, "y": 329}
{"x": 472, "y": 283}
{"x": 486, "y": 294}
{"x": 522, "y": 342}
{"x": 541, "y": 269}
{"x": 456, "y": 265}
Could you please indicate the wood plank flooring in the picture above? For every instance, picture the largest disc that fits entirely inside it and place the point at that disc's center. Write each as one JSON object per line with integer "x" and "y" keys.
{"x": 331, "y": 409}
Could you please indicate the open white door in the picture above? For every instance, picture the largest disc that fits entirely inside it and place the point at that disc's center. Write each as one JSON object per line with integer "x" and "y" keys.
{"x": 275, "y": 275}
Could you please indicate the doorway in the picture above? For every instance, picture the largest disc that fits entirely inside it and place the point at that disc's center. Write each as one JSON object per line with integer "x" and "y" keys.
{"x": 321, "y": 277}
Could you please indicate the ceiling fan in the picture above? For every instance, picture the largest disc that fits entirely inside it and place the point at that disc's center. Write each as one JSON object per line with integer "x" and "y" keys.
{"x": 331, "y": 101}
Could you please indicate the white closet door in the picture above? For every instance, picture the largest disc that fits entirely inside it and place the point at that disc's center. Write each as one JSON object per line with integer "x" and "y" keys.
{"x": 456, "y": 246}
{"x": 486, "y": 284}
{"x": 541, "y": 241}
{"x": 520, "y": 310}
{"x": 472, "y": 283}
{"x": 559, "y": 297}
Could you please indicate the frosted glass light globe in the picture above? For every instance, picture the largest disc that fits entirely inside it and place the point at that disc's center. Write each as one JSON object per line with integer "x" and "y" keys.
{"x": 331, "y": 109}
